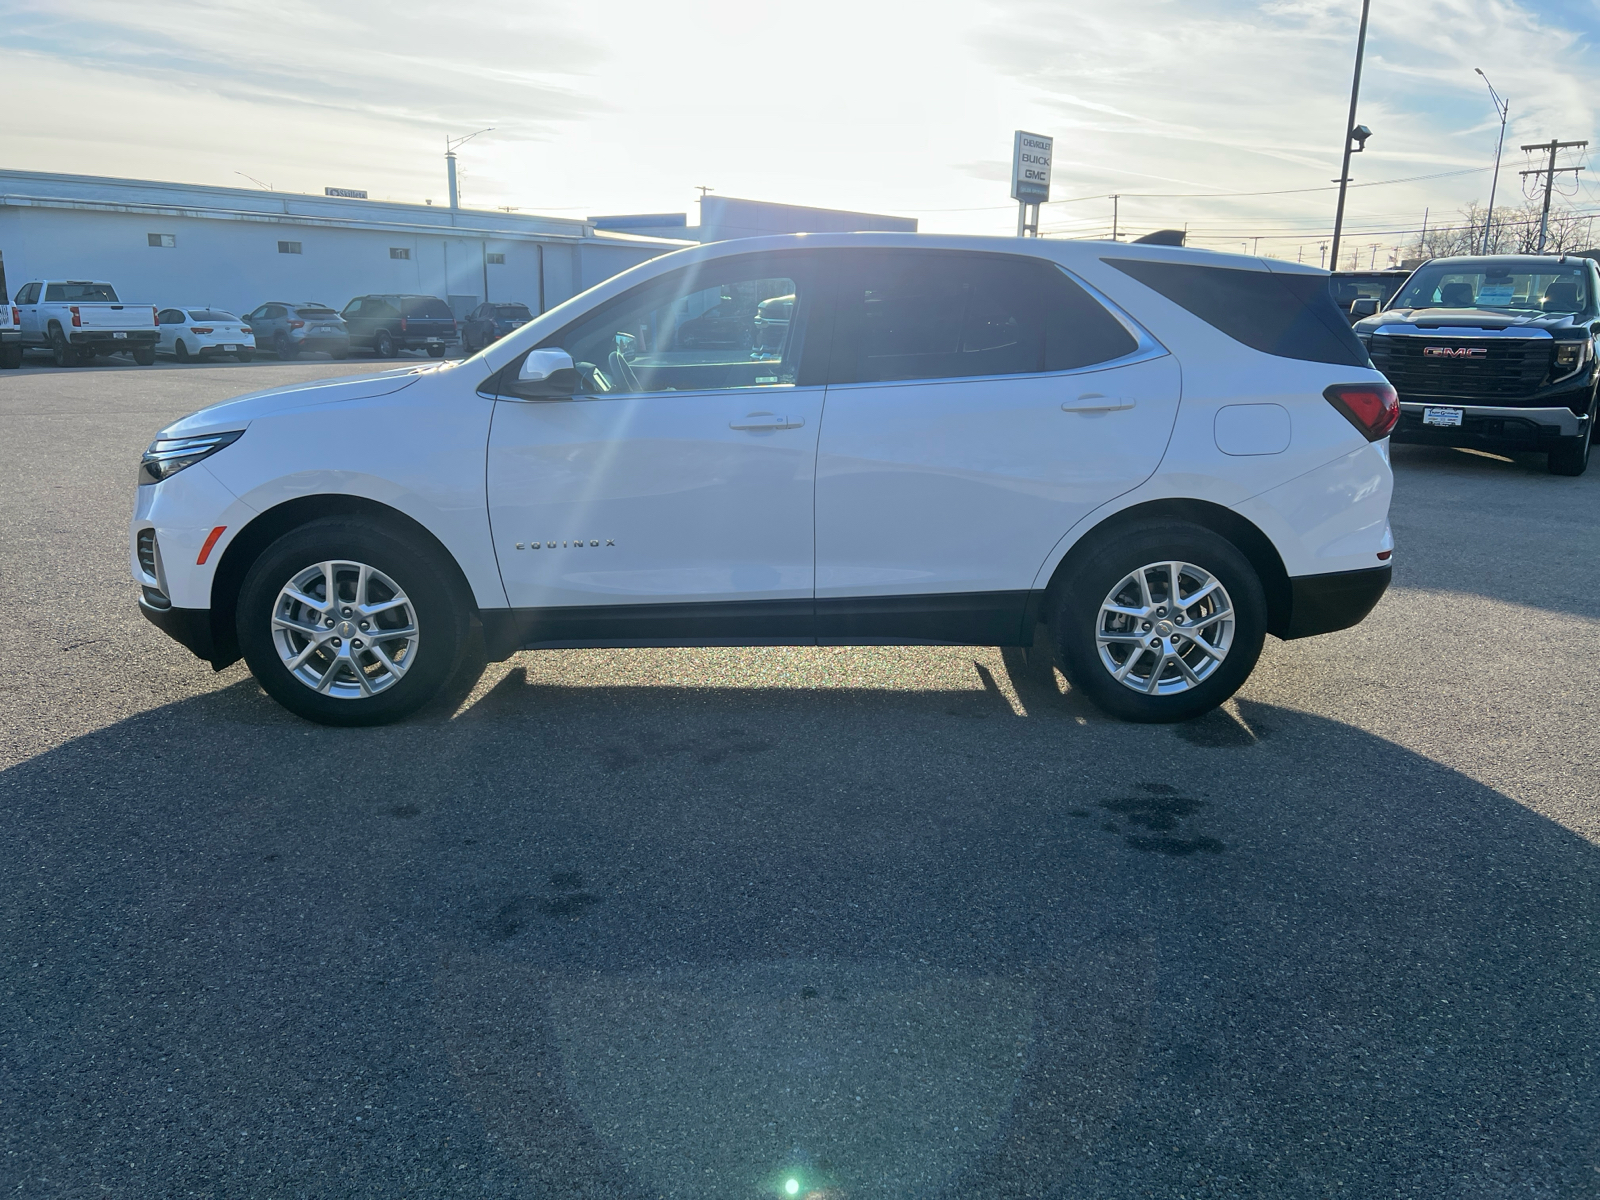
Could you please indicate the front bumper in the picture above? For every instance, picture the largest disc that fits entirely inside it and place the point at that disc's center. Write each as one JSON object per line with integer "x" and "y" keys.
{"x": 1487, "y": 423}
{"x": 1338, "y": 600}
{"x": 190, "y": 627}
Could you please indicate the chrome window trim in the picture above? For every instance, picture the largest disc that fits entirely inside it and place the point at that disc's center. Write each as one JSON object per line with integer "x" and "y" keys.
{"x": 1529, "y": 333}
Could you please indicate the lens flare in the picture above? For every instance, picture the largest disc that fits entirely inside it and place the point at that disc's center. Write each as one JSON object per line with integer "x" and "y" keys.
{"x": 792, "y": 1187}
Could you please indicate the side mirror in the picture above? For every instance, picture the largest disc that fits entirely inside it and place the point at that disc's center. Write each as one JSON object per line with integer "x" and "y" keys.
{"x": 1365, "y": 306}
{"x": 545, "y": 375}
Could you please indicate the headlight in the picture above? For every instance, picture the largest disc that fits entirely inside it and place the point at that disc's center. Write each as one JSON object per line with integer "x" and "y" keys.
{"x": 167, "y": 456}
{"x": 1570, "y": 356}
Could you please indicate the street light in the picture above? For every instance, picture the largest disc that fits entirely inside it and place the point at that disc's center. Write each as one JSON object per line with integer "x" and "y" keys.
{"x": 451, "y": 145}
{"x": 1356, "y": 133}
{"x": 1502, "y": 107}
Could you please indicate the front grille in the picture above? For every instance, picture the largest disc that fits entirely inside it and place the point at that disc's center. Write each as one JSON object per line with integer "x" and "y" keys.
{"x": 1510, "y": 369}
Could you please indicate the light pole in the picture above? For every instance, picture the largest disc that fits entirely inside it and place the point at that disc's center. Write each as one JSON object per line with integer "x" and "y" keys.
{"x": 451, "y": 145}
{"x": 1353, "y": 133}
{"x": 1502, "y": 107}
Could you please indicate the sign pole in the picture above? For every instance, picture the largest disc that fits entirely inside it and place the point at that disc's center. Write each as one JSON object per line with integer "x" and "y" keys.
{"x": 1031, "y": 154}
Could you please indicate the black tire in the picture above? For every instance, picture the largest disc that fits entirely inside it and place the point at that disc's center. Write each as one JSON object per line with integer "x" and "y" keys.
{"x": 181, "y": 352}
{"x": 287, "y": 351}
{"x": 435, "y": 351}
{"x": 1571, "y": 454}
{"x": 145, "y": 356}
{"x": 342, "y": 353}
{"x": 442, "y": 618}
{"x": 1078, "y": 608}
{"x": 383, "y": 344}
{"x": 65, "y": 354}
{"x": 10, "y": 356}
{"x": 245, "y": 355}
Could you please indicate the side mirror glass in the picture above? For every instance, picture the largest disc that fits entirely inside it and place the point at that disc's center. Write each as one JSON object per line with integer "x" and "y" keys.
{"x": 627, "y": 346}
{"x": 545, "y": 375}
{"x": 1366, "y": 306}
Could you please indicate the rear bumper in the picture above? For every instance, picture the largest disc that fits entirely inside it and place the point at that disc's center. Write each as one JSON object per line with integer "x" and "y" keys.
{"x": 1338, "y": 600}
{"x": 10, "y": 335}
{"x": 113, "y": 338}
{"x": 1487, "y": 423}
{"x": 190, "y": 627}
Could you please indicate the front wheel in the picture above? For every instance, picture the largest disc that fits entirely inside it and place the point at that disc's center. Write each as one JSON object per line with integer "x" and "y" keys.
{"x": 1162, "y": 623}
{"x": 347, "y": 624}
{"x": 1571, "y": 454}
{"x": 144, "y": 356}
{"x": 245, "y": 355}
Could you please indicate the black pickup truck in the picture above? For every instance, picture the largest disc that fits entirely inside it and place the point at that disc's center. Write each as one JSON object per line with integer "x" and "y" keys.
{"x": 1495, "y": 353}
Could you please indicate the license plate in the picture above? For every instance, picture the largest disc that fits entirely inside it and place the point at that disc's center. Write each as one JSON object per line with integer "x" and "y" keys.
{"x": 433, "y": 341}
{"x": 117, "y": 335}
{"x": 326, "y": 329}
{"x": 1441, "y": 416}
{"x": 229, "y": 349}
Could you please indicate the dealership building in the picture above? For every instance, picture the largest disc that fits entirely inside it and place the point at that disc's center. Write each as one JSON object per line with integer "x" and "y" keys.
{"x": 181, "y": 245}
{"x": 184, "y": 245}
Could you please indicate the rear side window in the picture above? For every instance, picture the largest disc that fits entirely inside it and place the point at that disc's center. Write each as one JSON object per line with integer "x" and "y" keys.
{"x": 426, "y": 307}
{"x": 952, "y": 315}
{"x": 1291, "y": 316}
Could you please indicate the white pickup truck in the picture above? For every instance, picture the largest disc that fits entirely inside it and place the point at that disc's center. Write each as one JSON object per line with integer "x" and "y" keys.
{"x": 10, "y": 335}
{"x": 76, "y": 319}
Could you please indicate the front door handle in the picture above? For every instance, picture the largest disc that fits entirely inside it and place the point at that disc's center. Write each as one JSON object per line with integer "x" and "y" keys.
{"x": 766, "y": 420}
{"x": 1094, "y": 402}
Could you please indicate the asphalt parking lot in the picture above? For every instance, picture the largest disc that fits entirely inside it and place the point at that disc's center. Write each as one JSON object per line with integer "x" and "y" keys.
{"x": 886, "y": 922}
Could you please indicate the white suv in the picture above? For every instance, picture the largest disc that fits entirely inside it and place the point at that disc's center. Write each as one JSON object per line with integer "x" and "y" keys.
{"x": 1164, "y": 454}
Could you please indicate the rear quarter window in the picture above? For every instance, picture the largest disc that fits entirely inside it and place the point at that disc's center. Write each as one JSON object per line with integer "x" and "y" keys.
{"x": 426, "y": 308}
{"x": 1290, "y": 316}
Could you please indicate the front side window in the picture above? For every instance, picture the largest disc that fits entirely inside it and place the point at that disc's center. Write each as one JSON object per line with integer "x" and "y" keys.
{"x": 29, "y": 294}
{"x": 952, "y": 315}
{"x": 707, "y": 327}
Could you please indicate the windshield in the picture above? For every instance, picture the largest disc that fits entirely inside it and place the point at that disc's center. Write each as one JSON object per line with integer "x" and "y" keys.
{"x": 210, "y": 314}
{"x": 1558, "y": 289}
{"x": 314, "y": 312}
{"x": 70, "y": 292}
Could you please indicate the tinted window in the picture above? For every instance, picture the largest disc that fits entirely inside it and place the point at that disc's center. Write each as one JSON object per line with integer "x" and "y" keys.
{"x": 274, "y": 311}
{"x": 73, "y": 292}
{"x": 28, "y": 294}
{"x": 1289, "y": 315}
{"x": 694, "y": 330}
{"x": 1543, "y": 287}
{"x": 171, "y": 316}
{"x": 320, "y": 311}
{"x": 918, "y": 315}
{"x": 511, "y": 312}
{"x": 426, "y": 307}
{"x": 210, "y": 314}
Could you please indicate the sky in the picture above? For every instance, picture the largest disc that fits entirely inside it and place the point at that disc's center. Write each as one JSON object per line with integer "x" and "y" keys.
{"x": 1220, "y": 116}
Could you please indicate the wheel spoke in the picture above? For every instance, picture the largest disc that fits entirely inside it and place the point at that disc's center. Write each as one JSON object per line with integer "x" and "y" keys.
{"x": 1144, "y": 587}
{"x": 330, "y": 675}
{"x": 1205, "y": 590}
{"x": 311, "y": 630}
{"x": 302, "y": 598}
{"x": 1124, "y": 611}
{"x": 1186, "y": 669}
{"x": 362, "y": 681}
{"x": 363, "y": 573}
{"x": 1173, "y": 603}
{"x": 372, "y": 610}
{"x": 1155, "y": 674}
{"x": 1211, "y": 619}
{"x": 393, "y": 667}
{"x": 299, "y": 660}
{"x": 1108, "y": 637}
{"x": 330, "y": 586}
{"x": 1206, "y": 647}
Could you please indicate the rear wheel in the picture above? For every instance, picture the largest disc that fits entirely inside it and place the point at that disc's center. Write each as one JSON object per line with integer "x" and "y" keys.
{"x": 383, "y": 344}
{"x": 344, "y": 623}
{"x": 10, "y": 356}
{"x": 181, "y": 351}
{"x": 63, "y": 351}
{"x": 144, "y": 355}
{"x": 1162, "y": 623}
{"x": 286, "y": 350}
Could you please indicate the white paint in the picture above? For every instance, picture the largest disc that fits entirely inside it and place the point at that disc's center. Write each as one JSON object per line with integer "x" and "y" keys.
{"x": 1245, "y": 429}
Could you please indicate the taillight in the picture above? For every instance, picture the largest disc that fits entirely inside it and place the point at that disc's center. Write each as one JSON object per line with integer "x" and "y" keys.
{"x": 402, "y": 324}
{"x": 246, "y": 329}
{"x": 77, "y": 319}
{"x": 297, "y": 324}
{"x": 199, "y": 329}
{"x": 1373, "y": 408}
{"x": 16, "y": 316}
{"x": 155, "y": 317}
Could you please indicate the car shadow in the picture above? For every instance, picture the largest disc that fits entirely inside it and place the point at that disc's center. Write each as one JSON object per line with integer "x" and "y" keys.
{"x": 633, "y": 941}
{"x": 1498, "y": 526}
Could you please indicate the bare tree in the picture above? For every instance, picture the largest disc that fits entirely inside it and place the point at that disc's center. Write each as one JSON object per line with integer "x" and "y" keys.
{"x": 1511, "y": 231}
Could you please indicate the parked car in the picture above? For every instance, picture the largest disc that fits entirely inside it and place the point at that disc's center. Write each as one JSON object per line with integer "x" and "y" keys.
{"x": 191, "y": 333}
{"x": 1361, "y": 293}
{"x": 389, "y": 324}
{"x": 772, "y": 324}
{"x": 1495, "y": 353}
{"x": 10, "y": 335}
{"x": 290, "y": 330}
{"x": 1003, "y": 444}
{"x": 76, "y": 319}
{"x": 491, "y": 322}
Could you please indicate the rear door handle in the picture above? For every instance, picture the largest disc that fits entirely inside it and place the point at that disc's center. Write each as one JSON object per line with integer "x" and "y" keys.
{"x": 766, "y": 420}
{"x": 1094, "y": 402}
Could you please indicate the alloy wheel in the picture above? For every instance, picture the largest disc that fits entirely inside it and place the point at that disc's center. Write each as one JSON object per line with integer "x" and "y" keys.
{"x": 1165, "y": 628}
{"x": 345, "y": 629}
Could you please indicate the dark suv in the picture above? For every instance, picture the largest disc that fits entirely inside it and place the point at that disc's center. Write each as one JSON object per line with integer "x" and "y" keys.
{"x": 1494, "y": 352}
{"x": 490, "y": 322}
{"x": 389, "y": 324}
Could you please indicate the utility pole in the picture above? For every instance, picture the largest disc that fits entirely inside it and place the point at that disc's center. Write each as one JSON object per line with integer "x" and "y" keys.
{"x": 1550, "y": 174}
{"x": 1422, "y": 241}
{"x": 1353, "y": 132}
{"x": 1503, "y": 107}
{"x": 1115, "y": 203}
{"x": 1323, "y": 260}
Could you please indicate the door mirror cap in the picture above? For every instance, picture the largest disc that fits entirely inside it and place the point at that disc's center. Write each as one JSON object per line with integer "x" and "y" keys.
{"x": 545, "y": 375}
{"x": 540, "y": 365}
{"x": 1365, "y": 306}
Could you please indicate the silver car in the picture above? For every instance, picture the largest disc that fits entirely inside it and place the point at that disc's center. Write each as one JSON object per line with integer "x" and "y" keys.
{"x": 290, "y": 330}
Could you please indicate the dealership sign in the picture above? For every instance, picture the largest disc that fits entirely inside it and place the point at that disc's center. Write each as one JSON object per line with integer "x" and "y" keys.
{"x": 347, "y": 193}
{"x": 1030, "y": 167}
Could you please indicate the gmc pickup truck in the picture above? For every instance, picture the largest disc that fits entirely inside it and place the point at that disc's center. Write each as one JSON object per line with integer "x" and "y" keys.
{"x": 10, "y": 334}
{"x": 1494, "y": 353}
{"x": 75, "y": 319}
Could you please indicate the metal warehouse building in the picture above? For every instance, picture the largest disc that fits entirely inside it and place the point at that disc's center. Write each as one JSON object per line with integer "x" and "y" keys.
{"x": 173, "y": 244}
